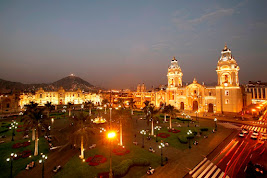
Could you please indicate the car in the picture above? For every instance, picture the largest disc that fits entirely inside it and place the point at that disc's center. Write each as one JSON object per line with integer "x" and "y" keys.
{"x": 255, "y": 133}
{"x": 264, "y": 135}
{"x": 254, "y": 137}
{"x": 263, "y": 138}
{"x": 241, "y": 134}
{"x": 244, "y": 131}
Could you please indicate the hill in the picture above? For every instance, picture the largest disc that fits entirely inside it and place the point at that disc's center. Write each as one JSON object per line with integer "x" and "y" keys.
{"x": 69, "y": 83}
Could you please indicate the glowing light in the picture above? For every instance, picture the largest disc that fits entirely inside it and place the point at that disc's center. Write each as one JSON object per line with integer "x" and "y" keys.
{"x": 99, "y": 120}
{"x": 111, "y": 135}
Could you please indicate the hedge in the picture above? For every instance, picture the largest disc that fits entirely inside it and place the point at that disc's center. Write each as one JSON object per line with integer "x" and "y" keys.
{"x": 122, "y": 169}
{"x": 204, "y": 129}
{"x": 181, "y": 119}
{"x": 183, "y": 139}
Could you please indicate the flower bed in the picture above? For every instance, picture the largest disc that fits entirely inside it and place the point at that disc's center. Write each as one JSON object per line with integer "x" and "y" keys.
{"x": 96, "y": 160}
{"x": 20, "y": 126}
{"x": 23, "y": 144}
{"x": 103, "y": 174}
{"x": 163, "y": 135}
{"x": 24, "y": 154}
{"x": 120, "y": 151}
{"x": 174, "y": 131}
{"x": 19, "y": 130}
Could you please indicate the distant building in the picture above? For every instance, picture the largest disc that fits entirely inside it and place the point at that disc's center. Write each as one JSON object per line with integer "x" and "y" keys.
{"x": 60, "y": 97}
{"x": 227, "y": 96}
{"x": 258, "y": 91}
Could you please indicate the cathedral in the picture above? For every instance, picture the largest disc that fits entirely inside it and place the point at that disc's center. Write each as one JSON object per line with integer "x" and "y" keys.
{"x": 226, "y": 96}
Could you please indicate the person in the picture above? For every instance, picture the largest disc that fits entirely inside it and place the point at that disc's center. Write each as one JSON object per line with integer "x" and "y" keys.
{"x": 150, "y": 171}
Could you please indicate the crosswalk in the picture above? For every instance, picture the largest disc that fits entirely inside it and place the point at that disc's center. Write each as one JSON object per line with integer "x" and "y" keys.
{"x": 259, "y": 122}
{"x": 254, "y": 128}
{"x": 207, "y": 169}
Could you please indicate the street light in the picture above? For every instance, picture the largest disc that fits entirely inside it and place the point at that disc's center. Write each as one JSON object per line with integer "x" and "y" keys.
{"x": 105, "y": 108}
{"x": 42, "y": 160}
{"x": 110, "y": 109}
{"x": 161, "y": 154}
{"x": 143, "y": 132}
{"x": 189, "y": 133}
{"x": 196, "y": 115}
{"x": 111, "y": 135}
{"x": 215, "y": 120}
{"x": 188, "y": 119}
{"x": 157, "y": 128}
{"x": 13, "y": 126}
{"x": 12, "y": 156}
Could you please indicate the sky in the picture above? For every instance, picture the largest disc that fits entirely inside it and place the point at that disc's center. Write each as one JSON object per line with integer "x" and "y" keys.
{"x": 118, "y": 44}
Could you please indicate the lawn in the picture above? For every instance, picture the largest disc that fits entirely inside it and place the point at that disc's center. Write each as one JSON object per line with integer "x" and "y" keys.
{"x": 6, "y": 149}
{"x": 76, "y": 168}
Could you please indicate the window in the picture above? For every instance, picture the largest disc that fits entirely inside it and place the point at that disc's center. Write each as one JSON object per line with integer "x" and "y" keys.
{"x": 209, "y": 93}
{"x": 195, "y": 91}
{"x": 226, "y": 92}
{"x": 41, "y": 95}
{"x": 7, "y": 105}
{"x": 227, "y": 101}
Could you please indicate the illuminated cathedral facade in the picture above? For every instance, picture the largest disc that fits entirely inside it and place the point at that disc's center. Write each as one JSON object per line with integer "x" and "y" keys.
{"x": 227, "y": 96}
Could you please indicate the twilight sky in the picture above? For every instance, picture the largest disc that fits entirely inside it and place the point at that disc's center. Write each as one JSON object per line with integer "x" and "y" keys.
{"x": 118, "y": 44}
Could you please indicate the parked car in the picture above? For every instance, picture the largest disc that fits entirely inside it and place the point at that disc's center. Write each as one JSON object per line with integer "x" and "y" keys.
{"x": 244, "y": 131}
{"x": 255, "y": 133}
{"x": 241, "y": 134}
{"x": 254, "y": 137}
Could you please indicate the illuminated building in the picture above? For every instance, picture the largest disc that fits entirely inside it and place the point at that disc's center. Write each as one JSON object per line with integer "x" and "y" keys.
{"x": 227, "y": 96}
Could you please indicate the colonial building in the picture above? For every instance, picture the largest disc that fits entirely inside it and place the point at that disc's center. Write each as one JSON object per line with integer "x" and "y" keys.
{"x": 258, "y": 91}
{"x": 227, "y": 96}
{"x": 60, "y": 97}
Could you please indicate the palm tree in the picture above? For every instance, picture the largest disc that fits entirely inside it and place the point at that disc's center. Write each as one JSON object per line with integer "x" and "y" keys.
{"x": 165, "y": 112}
{"x": 70, "y": 107}
{"x": 145, "y": 108}
{"x": 83, "y": 131}
{"x": 152, "y": 112}
{"x": 132, "y": 105}
{"x": 49, "y": 108}
{"x": 172, "y": 113}
{"x": 122, "y": 114}
{"x": 34, "y": 119}
{"x": 29, "y": 107}
{"x": 90, "y": 105}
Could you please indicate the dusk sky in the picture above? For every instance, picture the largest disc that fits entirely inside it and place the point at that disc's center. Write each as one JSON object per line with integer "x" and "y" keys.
{"x": 118, "y": 44}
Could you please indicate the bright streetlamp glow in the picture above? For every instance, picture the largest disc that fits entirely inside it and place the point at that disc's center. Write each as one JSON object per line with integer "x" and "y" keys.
{"x": 111, "y": 135}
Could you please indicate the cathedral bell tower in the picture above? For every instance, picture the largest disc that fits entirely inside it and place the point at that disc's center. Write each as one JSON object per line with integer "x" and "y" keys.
{"x": 228, "y": 91}
{"x": 227, "y": 69}
{"x": 174, "y": 74}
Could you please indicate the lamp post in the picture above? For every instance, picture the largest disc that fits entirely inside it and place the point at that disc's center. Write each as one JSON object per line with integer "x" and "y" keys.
{"x": 143, "y": 132}
{"x": 215, "y": 120}
{"x": 111, "y": 135}
{"x": 161, "y": 153}
{"x": 196, "y": 115}
{"x": 105, "y": 108}
{"x": 13, "y": 127}
{"x": 12, "y": 156}
{"x": 188, "y": 119}
{"x": 189, "y": 133}
{"x": 82, "y": 106}
{"x": 110, "y": 109}
{"x": 64, "y": 110}
{"x": 157, "y": 128}
{"x": 42, "y": 160}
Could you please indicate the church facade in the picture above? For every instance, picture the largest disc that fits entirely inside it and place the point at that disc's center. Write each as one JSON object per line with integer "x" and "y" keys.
{"x": 226, "y": 96}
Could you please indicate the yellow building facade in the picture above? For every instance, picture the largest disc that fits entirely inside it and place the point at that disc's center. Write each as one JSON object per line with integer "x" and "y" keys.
{"x": 60, "y": 97}
{"x": 227, "y": 96}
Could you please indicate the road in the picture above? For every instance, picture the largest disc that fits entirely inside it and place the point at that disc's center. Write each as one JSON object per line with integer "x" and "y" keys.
{"x": 233, "y": 158}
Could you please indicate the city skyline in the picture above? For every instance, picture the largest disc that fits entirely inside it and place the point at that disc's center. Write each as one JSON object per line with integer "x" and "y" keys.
{"x": 107, "y": 44}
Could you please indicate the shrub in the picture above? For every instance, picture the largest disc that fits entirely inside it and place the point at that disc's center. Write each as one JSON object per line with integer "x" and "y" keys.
{"x": 204, "y": 129}
{"x": 140, "y": 162}
{"x": 122, "y": 169}
{"x": 190, "y": 136}
{"x": 182, "y": 139}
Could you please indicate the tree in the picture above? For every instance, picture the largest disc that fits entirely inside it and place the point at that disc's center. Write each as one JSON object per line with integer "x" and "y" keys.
{"x": 104, "y": 101}
{"x": 49, "y": 107}
{"x": 172, "y": 113}
{"x": 90, "y": 105}
{"x": 35, "y": 119}
{"x": 145, "y": 108}
{"x": 132, "y": 105}
{"x": 152, "y": 111}
{"x": 29, "y": 107}
{"x": 83, "y": 131}
{"x": 122, "y": 114}
{"x": 70, "y": 107}
{"x": 165, "y": 112}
